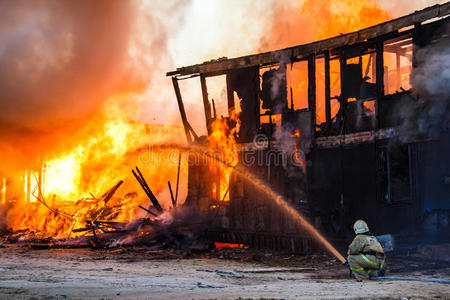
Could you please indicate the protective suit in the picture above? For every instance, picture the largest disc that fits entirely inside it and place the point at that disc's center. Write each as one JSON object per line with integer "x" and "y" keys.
{"x": 365, "y": 254}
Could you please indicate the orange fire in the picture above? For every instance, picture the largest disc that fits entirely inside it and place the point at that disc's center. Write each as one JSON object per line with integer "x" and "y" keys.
{"x": 222, "y": 142}
{"x": 299, "y": 159}
{"x": 68, "y": 189}
{"x": 316, "y": 20}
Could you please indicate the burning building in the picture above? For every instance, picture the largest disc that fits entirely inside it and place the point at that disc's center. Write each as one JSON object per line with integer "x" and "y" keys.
{"x": 354, "y": 126}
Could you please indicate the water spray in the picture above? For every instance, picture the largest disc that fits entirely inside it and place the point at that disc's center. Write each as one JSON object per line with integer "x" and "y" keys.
{"x": 278, "y": 199}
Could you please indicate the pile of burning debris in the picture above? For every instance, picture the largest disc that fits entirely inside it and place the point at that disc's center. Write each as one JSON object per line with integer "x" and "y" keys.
{"x": 179, "y": 228}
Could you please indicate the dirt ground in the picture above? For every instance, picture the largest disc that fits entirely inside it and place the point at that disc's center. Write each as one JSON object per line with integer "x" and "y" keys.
{"x": 27, "y": 273}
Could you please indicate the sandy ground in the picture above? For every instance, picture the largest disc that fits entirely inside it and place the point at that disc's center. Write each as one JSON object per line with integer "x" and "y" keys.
{"x": 126, "y": 274}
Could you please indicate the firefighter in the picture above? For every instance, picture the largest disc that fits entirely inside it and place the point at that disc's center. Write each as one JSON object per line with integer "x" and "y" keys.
{"x": 365, "y": 254}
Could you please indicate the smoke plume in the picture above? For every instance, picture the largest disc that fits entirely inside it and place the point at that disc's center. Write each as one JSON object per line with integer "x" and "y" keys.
{"x": 431, "y": 81}
{"x": 61, "y": 60}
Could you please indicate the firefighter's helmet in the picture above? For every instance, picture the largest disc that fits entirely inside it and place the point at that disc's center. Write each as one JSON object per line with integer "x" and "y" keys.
{"x": 360, "y": 227}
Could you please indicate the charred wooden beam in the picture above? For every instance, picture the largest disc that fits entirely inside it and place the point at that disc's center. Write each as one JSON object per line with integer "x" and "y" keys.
{"x": 140, "y": 178}
{"x": 206, "y": 104}
{"x": 192, "y": 131}
{"x": 417, "y": 43}
{"x": 174, "y": 203}
{"x": 343, "y": 97}
{"x": 178, "y": 176}
{"x": 147, "y": 210}
{"x": 108, "y": 195}
{"x": 83, "y": 229}
{"x": 111, "y": 224}
{"x": 230, "y": 94}
{"x": 380, "y": 80}
{"x": 312, "y": 91}
{"x": 327, "y": 86}
{"x": 181, "y": 108}
{"x": 214, "y": 110}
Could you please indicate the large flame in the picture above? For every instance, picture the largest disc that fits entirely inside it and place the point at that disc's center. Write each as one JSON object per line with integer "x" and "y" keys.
{"x": 66, "y": 191}
{"x": 222, "y": 142}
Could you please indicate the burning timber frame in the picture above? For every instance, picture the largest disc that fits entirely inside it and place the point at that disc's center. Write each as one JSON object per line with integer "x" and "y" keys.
{"x": 360, "y": 161}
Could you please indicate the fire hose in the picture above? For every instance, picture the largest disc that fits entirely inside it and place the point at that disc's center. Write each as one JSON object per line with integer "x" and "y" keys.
{"x": 411, "y": 279}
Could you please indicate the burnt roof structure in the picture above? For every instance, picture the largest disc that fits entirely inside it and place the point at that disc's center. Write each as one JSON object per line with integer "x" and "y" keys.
{"x": 221, "y": 65}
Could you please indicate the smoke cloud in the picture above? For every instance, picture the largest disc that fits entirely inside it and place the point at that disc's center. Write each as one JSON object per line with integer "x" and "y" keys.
{"x": 61, "y": 60}
{"x": 431, "y": 81}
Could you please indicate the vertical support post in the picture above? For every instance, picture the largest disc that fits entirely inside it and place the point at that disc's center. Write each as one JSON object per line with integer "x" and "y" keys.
{"x": 312, "y": 91}
{"x": 206, "y": 104}
{"x": 178, "y": 177}
{"x": 398, "y": 77}
{"x": 285, "y": 106}
{"x": 174, "y": 202}
{"x": 327, "y": 86}
{"x": 343, "y": 97}
{"x": 214, "y": 116}
{"x": 380, "y": 80}
{"x": 374, "y": 66}
{"x": 181, "y": 108}
{"x": 230, "y": 94}
{"x": 416, "y": 43}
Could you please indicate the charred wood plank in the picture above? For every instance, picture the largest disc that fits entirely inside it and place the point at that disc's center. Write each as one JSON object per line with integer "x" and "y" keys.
{"x": 192, "y": 131}
{"x": 141, "y": 207}
{"x": 108, "y": 195}
{"x": 327, "y": 87}
{"x": 206, "y": 104}
{"x": 178, "y": 177}
{"x": 111, "y": 223}
{"x": 82, "y": 229}
{"x": 174, "y": 203}
{"x": 140, "y": 178}
{"x": 312, "y": 91}
{"x": 380, "y": 80}
{"x": 181, "y": 108}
